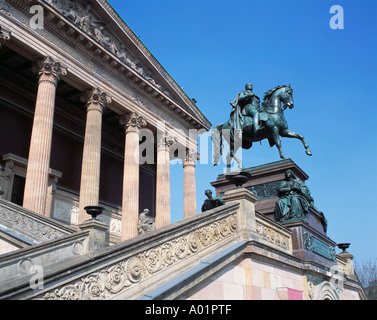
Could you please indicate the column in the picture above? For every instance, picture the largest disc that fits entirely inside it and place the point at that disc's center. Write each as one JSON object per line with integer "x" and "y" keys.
{"x": 163, "y": 181}
{"x": 35, "y": 195}
{"x": 130, "y": 202}
{"x": 189, "y": 186}
{"x": 96, "y": 100}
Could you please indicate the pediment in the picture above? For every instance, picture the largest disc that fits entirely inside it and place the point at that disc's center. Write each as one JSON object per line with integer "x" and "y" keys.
{"x": 103, "y": 24}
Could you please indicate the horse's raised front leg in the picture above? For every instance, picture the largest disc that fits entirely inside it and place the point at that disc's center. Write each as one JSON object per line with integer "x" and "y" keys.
{"x": 290, "y": 134}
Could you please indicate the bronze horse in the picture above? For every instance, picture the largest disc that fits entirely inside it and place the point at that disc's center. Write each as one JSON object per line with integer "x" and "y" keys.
{"x": 273, "y": 125}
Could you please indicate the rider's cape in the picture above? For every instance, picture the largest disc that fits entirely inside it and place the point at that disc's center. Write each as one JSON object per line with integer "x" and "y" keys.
{"x": 238, "y": 117}
{"x": 236, "y": 114}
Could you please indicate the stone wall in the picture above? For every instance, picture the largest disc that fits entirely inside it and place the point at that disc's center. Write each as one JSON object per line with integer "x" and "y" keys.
{"x": 250, "y": 279}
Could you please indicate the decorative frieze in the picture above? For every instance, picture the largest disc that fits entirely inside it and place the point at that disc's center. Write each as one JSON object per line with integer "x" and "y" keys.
{"x": 83, "y": 16}
{"x": 120, "y": 276}
{"x": 317, "y": 246}
{"x": 265, "y": 190}
{"x": 36, "y": 228}
{"x": 272, "y": 236}
{"x": 66, "y": 211}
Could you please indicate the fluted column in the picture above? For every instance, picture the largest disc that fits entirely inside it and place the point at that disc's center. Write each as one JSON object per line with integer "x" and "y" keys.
{"x": 163, "y": 181}
{"x": 96, "y": 100}
{"x": 36, "y": 184}
{"x": 189, "y": 185}
{"x": 130, "y": 202}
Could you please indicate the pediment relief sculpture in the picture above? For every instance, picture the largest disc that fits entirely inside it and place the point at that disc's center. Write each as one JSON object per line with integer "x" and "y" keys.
{"x": 82, "y": 15}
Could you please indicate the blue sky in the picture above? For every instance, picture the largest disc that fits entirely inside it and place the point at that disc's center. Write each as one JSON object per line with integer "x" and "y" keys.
{"x": 212, "y": 48}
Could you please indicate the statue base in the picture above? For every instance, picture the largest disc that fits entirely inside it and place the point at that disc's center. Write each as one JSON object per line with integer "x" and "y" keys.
{"x": 264, "y": 183}
{"x": 309, "y": 239}
{"x": 309, "y": 244}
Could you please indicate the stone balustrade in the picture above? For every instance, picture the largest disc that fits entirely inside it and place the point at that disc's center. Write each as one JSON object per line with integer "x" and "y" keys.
{"x": 31, "y": 227}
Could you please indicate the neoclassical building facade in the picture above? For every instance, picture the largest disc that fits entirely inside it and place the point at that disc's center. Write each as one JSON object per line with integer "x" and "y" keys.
{"x": 75, "y": 92}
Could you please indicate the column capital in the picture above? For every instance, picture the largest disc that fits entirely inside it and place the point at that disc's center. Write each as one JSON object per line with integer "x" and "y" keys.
{"x": 49, "y": 70}
{"x": 96, "y": 99}
{"x": 165, "y": 141}
{"x": 191, "y": 158}
{"x": 132, "y": 122}
{"x": 4, "y": 35}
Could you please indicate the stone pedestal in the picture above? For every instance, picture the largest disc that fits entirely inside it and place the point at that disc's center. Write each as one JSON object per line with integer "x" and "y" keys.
{"x": 311, "y": 245}
{"x": 35, "y": 196}
{"x": 309, "y": 239}
{"x": 349, "y": 270}
{"x": 98, "y": 235}
{"x": 264, "y": 183}
{"x": 246, "y": 216}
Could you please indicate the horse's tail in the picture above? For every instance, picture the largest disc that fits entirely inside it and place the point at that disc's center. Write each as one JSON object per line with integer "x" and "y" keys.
{"x": 217, "y": 143}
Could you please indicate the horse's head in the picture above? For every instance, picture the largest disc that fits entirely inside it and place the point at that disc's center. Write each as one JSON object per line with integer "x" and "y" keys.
{"x": 277, "y": 96}
{"x": 286, "y": 96}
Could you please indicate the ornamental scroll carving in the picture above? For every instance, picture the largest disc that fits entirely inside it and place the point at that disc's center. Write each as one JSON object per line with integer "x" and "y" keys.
{"x": 114, "y": 279}
{"x": 81, "y": 14}
{"x": 272, "y": 236}
{"x": 37, "y": 229}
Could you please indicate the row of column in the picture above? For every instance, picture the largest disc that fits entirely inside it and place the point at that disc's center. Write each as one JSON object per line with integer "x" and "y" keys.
{"x": 96, "y": 100}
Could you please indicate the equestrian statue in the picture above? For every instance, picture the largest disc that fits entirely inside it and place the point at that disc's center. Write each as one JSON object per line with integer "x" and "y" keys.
{"x": 251, "y": 122}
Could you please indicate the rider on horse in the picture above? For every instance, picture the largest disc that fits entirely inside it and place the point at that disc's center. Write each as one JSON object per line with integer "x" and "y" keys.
{"x": 245, "y": 99}
{"x": 249, "y": 122}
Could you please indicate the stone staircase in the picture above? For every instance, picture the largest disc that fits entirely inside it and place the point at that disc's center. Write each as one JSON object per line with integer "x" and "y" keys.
{"x": 160, "y": 264}
{"x": 57, "y": 262}
{"x": 128, "y": 270}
